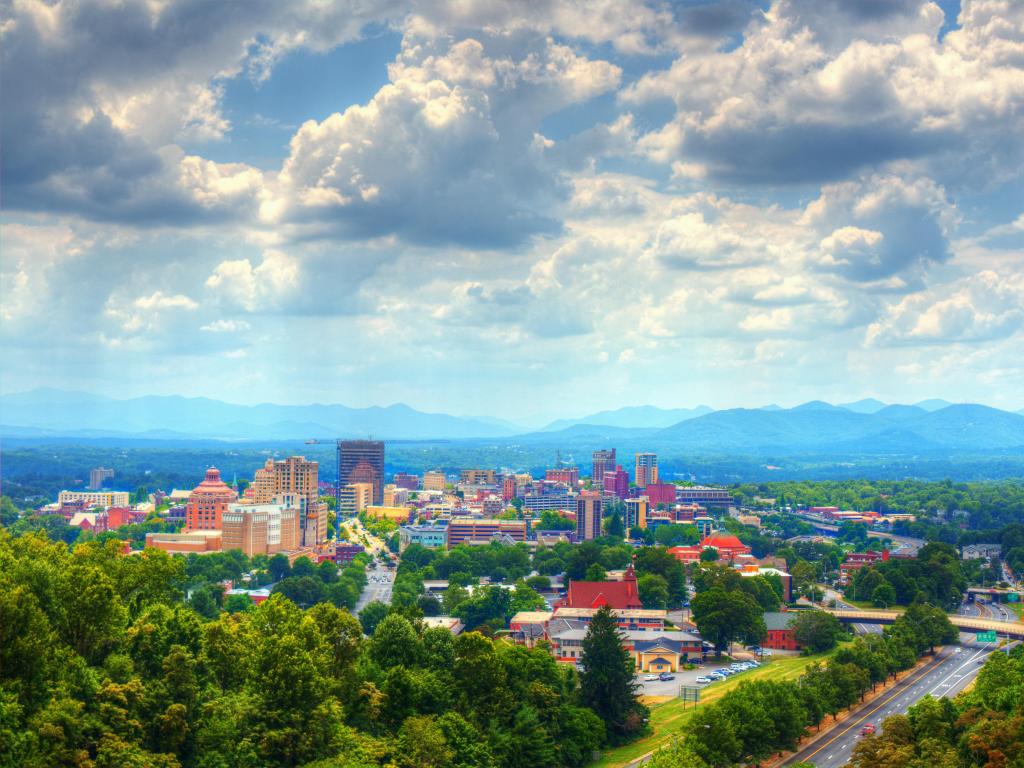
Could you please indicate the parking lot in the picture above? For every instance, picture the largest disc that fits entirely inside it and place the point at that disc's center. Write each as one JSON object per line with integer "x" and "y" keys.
{"x": 683, "y": 677}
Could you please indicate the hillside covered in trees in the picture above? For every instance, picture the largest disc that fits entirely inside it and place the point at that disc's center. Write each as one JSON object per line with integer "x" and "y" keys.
{"x": 103, "y": 663}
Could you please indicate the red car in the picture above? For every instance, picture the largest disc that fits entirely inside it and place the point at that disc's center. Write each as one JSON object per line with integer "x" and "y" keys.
{"x": 867, "y": 730}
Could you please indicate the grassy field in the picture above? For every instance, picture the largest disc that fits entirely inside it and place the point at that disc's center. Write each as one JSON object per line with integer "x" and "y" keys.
{"x": 1014, "y": 608}
{"x": 668, "y": 716}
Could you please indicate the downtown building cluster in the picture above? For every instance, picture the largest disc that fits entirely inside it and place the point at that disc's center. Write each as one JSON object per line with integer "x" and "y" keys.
{"x": 279, "y": 511}
{"x": 478, "y": 505}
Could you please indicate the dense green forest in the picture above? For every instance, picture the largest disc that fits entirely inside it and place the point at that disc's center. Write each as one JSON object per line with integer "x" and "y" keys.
{"x": 104, "y": 663}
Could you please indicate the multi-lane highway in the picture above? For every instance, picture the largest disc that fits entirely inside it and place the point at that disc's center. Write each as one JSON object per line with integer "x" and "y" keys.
{"x": 904, "y": 545}
{"x": 994, "y": 611}
{"x": 860, "y": 629}
{"x": 945, "y": 675}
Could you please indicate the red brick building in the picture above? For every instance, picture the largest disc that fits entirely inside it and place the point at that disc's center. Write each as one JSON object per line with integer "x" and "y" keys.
{"x": 854, "y": 561}
{"x": 594, "y": 594}
{"x": 729, "y": 547}
{"x": 780, "y": 635}
{"x": 208, "y": 502}
{"x": 661, "y": 493}
{"x": 616, "y": 483}
{"x": 568, "y": 476}
{"x": 508, "y": 488}
{"x": 690, "y": 554}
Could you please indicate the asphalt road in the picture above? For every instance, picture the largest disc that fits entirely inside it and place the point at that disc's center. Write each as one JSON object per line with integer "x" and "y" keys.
{"x": 379, "y": 580}
{"x": 946, "y": 675}
{"x": 378, "y": 587}
{"x": 993, "y": 611}
{"x": 860, "y": 629}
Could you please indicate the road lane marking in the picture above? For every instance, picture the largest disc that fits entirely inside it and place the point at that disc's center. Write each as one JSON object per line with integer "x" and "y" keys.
{"x": 981, "y": 652}
{"x": 927, "y": 669}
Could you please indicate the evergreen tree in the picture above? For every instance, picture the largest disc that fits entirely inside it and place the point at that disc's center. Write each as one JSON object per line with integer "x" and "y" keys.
{"x": 607, "y": 684}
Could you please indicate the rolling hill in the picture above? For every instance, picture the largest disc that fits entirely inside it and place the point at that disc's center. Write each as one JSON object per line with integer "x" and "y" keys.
{"x": 633, "y": 417}
{"x": 811, "y": 427}
{"x": 867, "y": 405}
{"x": 815, "y": 426}
{"x": 50, "y": 411}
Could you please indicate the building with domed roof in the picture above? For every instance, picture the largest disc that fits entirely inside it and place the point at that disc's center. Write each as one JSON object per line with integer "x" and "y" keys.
{"x": 208, "y": 502}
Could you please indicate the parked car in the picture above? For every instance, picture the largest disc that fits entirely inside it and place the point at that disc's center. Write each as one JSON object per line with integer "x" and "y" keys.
{"x": 704, "y": 680}
{"x": 649, "y": 678}
{"x": 665, "y": 676}
{"x": 868, "y": 729}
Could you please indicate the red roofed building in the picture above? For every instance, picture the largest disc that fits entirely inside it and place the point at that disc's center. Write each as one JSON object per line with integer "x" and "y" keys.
{"x": 729, "y": 547}
{"x": 208, "y": 502}
{"x": 615, "y": 594}
{"x": 856, "y": 560}
{"x": 118, "y": 516}
{"x": 690, "y": 554}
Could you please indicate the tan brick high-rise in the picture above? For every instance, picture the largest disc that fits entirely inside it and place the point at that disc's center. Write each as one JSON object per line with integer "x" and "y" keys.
{"x": 297, "y": 480}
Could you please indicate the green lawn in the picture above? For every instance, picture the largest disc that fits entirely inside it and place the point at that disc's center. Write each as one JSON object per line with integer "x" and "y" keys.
{"x": 1015, "y": 608}
{"x": 669, "y": 716}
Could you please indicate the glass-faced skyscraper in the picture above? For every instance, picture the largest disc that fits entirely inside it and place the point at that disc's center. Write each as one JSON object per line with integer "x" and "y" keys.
{"x": 362, "y": 461}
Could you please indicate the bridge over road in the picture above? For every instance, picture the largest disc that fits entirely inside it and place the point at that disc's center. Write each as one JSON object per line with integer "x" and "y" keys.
{"x": 1014, "y": 629}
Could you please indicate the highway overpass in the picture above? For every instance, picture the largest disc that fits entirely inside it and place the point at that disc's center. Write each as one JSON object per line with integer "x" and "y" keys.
{"x": 907, "y": 544}
{"x": 1014, "y": 629}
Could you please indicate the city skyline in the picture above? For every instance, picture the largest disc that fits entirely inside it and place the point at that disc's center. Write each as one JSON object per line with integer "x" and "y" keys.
{"x": 490, "y": 209}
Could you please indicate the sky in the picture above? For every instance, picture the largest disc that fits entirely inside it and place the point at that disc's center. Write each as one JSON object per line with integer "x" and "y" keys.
{"x": 522, "y": 210}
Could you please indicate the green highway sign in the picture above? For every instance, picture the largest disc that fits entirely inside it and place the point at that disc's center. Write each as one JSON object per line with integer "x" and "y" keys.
{"x": 1013, "y": 597}
{"x": 986, "y": 637}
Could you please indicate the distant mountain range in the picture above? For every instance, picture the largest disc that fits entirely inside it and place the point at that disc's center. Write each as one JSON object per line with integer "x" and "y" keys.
{"x": 633, "y": 417}
{"x": 864, "y": 426}
{"x": 820, "y": 427}
{"x": 43, "y": 412}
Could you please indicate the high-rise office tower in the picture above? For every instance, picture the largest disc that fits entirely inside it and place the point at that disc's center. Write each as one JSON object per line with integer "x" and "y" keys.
{"x": 97, "y": 476}
{"x": 298, "y": 479}
{"x": 646, "y": 469}
{"x": 292, "y": 475}
{"x": 362, "y": 461}
{"x": 434, "y": 481}
{"x": 636, "y": 512}
{"x": 588, "y": 516}
{"x": 604, "y": 461}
